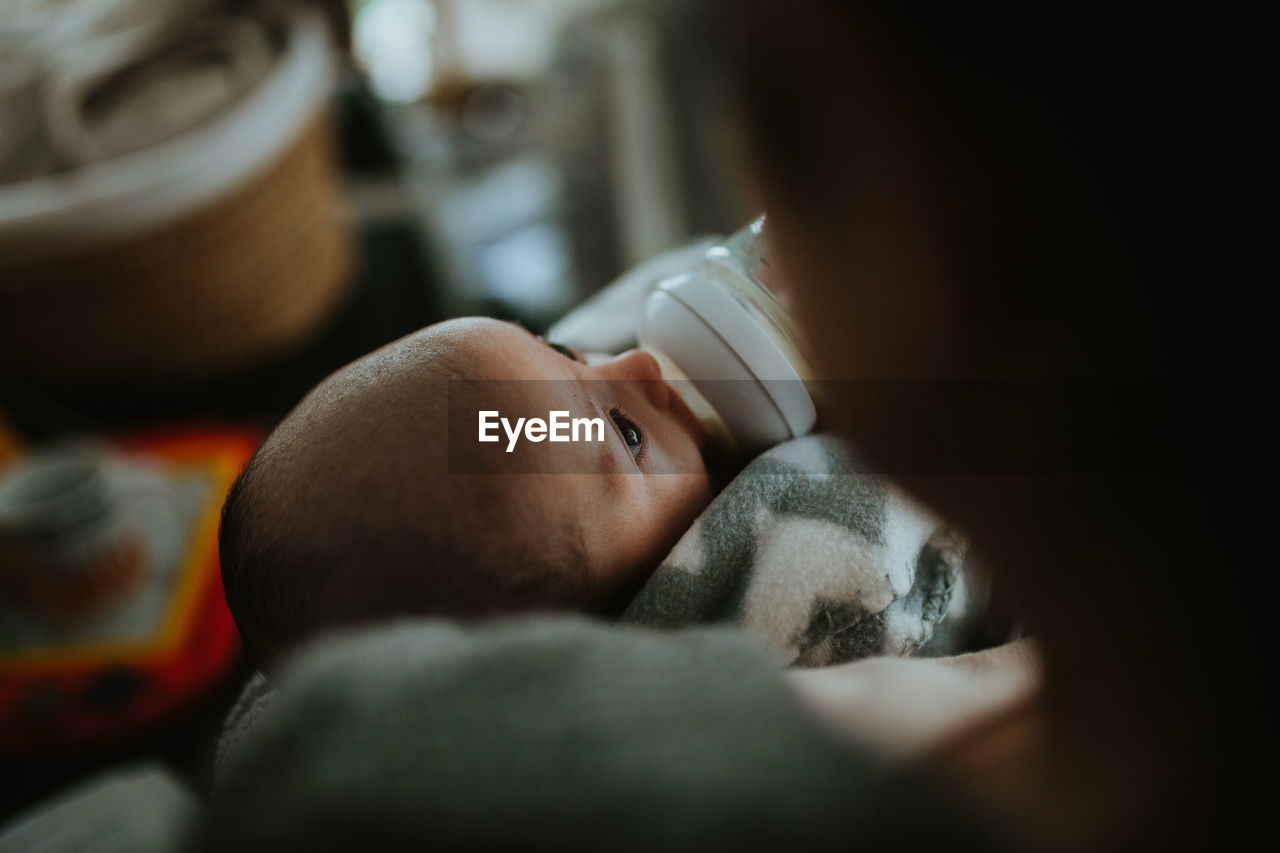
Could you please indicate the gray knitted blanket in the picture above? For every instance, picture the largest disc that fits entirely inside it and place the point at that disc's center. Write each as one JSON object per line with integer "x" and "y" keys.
{"x": 825, "y": 563}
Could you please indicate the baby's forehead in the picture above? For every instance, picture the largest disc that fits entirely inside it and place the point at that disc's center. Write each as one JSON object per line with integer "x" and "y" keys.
{"x": 400, "y": 374}
{"x": 419, "y": 398}
{"x": 471, "y": 337}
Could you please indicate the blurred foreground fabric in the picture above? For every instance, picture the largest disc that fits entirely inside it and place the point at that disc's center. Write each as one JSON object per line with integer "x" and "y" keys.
{"x": 555, "y": 734}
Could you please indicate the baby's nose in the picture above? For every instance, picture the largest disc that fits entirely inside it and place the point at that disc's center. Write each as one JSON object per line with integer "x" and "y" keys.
{"x": 639, "y": 366}
{"x": 633, "y": 365}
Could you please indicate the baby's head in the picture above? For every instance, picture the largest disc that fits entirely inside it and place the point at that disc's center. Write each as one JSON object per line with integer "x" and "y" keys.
{"x": 374, "y": 498}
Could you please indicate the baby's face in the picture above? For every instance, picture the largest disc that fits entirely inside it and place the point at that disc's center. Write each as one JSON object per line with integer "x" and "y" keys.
{"x": 631, "y": 494}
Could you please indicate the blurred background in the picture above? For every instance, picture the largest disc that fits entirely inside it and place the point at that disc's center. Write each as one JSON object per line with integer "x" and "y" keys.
{"x": 206, "y": 206}
{"x": 504, "y": 157}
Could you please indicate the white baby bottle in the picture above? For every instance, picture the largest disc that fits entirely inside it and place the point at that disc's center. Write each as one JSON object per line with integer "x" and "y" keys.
{"x": 726, "y": 342}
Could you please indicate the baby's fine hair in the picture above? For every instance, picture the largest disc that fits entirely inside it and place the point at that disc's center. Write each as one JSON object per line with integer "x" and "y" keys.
{"x": 306, "y": 547}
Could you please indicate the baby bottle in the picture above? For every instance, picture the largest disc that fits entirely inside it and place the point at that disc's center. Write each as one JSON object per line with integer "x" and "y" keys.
{"x": 727, "y": 344}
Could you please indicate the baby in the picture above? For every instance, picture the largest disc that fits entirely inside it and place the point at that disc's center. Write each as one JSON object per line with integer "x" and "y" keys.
{"x": 376, "y": 498}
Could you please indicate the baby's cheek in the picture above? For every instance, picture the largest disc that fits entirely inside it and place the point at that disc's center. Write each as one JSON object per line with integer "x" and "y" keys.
{"x": 655, "y": 517}
{"x": 686, "y": 496}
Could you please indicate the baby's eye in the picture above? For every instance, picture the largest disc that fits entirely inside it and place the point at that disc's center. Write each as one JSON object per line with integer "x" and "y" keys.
{"x": 630, "y": 434}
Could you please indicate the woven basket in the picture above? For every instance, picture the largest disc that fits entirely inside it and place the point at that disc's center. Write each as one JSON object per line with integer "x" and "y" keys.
{"x": 227, "y": 275}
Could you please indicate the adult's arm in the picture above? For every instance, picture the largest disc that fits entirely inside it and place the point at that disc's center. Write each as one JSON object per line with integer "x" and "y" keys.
{"x": 556, "y": 734}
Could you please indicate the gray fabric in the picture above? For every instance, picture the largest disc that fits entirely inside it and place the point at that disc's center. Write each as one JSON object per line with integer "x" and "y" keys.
{"x": 826, "y": 563}
{"x": 553, "y": 735}
{"x": 138, "y": 808}
{"x": 254, "y": 699}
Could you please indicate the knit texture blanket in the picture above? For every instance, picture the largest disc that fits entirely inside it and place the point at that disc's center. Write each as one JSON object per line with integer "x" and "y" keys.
{"x": 825, "y": 562}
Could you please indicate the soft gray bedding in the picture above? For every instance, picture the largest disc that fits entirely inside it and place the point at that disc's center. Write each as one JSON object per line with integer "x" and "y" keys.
{"x": 825, "y": 562}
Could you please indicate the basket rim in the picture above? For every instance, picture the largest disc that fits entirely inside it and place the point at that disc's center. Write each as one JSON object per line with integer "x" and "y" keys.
{"x": 125, "y": 194}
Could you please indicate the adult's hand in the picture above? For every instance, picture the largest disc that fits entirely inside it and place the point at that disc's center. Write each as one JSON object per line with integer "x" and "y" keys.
{"x": 904, "y": 707}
